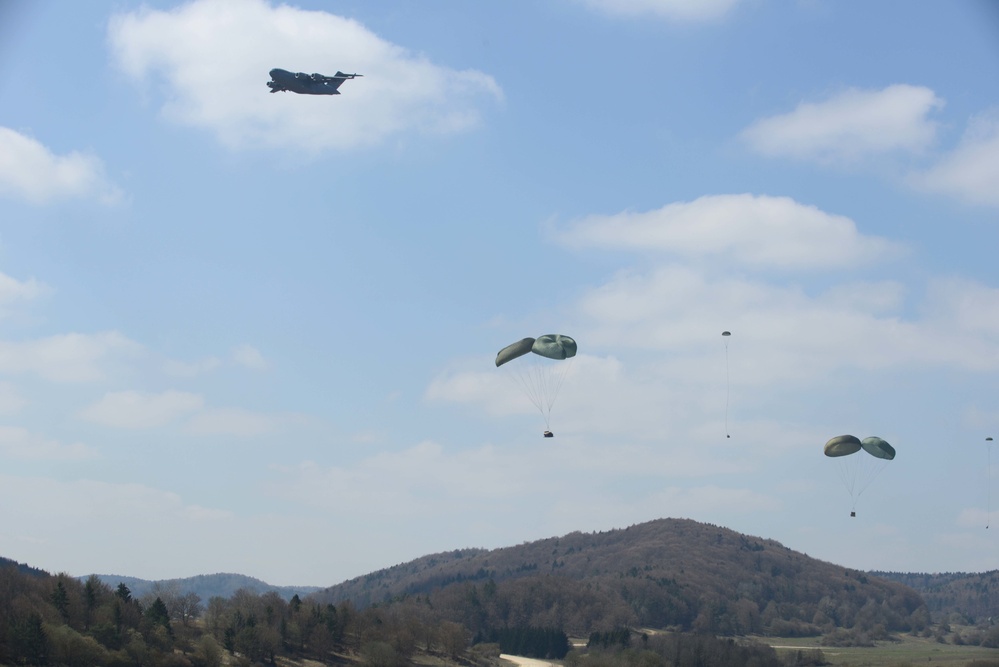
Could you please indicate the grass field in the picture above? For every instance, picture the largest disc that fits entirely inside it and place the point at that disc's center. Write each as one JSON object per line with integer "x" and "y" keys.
{"x": 908, "y": 651}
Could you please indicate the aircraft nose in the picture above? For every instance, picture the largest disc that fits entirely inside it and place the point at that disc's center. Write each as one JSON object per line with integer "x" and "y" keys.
{"x": 272, "y": 72}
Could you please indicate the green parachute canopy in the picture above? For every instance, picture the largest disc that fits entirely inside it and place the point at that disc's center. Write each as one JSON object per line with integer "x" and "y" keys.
{"x": 539, "y": 374}
{"x": 875, "y": 446}
{"x": 554, "y": 346}
{"x": 842, "y": 445}
{"x": 514, "y": 350}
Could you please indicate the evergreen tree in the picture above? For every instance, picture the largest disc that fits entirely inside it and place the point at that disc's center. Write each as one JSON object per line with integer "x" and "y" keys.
{"x": 28, "y": 642}
{"x": 157, "y": 614}
{"x": 60, "y": 600}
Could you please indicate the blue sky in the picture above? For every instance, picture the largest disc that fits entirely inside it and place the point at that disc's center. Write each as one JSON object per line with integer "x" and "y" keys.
{"x": 252, "y": 332}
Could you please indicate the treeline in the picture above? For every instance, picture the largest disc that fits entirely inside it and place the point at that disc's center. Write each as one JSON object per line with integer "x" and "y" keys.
{"x": 640, "y": 600}
{"x": 59, "y": 620}
{"x": 954, "y": 597}
{"x": 546, "y": 643}
{"x": 683, "y": 650}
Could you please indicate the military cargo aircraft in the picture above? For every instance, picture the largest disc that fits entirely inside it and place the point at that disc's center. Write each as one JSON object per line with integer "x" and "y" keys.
{"x": 307, "y": 84}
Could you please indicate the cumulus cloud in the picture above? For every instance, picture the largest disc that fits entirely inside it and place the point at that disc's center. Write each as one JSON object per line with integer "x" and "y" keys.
{"x": 751, "y": 230}
{"x": 232, "y": 421}
{"x": 190, "y": 368}
{"x": 30, "y": 171}
{"x": 70, "y": 357}
{"x": 12, "y": 289}
{"x": 10, "y": 401}
{"x": 213, "y": 57}
{"x": 133, "y": 409}
{"x": 971, "y": 171}
{"x": 249, "y": 357}
{"x": 19, "y": 443}
{"x": 850, "y": 126}
{"x": 679, "y": 10}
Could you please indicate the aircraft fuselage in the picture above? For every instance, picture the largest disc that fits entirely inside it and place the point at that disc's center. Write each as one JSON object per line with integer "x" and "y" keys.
{"x": 306, "y": 84}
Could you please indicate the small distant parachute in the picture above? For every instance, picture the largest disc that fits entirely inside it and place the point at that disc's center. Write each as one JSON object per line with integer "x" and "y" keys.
{"x": 858, "y": 469}
{"x": 537, "y": 367}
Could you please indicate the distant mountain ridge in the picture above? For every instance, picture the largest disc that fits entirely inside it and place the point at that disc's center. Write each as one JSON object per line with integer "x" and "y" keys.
{"x": 206, "y": 586}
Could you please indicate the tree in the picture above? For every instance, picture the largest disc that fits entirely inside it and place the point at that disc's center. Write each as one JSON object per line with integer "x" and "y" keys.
{"x": 188, "y": 607}
{"x": 60, "y": 599}
{"x": 123, "y": 592}
{"x": 28, "y": 641}
{"x": 159, "y": 615}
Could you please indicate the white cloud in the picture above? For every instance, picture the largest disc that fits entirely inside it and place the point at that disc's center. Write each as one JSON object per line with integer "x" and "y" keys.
{"x": 232, "y": 421}
{"x": 850, "y": 126}
{"x": 133, "y": 409}
{"x": 19, "y": 443}
{"x": 190, "y": 368}
{"x": 66, "y": 357}
{"x": 971, "y": 171}
{"x": 859, "y": 325}
{"x": 29, "y": 170}
{"x": 12, "y": 289}
{"x": 249, "y": 357}
{"x": 751, "y": 230}
{"x": 680, "y": 10}
{"x": 10, "y": 401}
{"x": 214, "y": 57}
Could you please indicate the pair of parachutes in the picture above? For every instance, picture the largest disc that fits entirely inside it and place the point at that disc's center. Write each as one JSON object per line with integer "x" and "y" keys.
{"x": 859, "y": 462}
{"x": 539, "y": 369}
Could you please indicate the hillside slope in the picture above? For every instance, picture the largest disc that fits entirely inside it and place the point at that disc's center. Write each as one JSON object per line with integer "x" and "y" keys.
{"x": 664, "y": 573}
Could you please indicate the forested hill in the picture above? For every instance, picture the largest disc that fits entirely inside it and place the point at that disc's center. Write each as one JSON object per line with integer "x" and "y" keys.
{"x": 954, "y": 597}
{"x": 668, "y": 572}
{"x": 205, "y": 586}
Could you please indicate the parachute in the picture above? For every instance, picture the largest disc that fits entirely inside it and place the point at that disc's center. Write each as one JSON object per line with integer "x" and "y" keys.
{"x": 537, "y": 368}
{"x": 858, "y": 469}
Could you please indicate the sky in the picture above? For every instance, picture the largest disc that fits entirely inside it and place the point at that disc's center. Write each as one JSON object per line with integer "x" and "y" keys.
{"x": 256, "y": 333}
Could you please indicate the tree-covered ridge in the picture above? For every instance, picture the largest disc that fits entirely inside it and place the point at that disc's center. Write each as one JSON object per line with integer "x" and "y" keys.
{"x": 954, "y": 597}
{"x": 60, "y": 620}
{"x": 665, "y": 573}
{"x": 22, "y": 567}
{"x": 205, "y": 586}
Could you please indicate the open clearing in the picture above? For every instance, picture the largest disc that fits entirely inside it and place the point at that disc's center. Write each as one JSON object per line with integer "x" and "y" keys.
{"x": 907, "y": 651}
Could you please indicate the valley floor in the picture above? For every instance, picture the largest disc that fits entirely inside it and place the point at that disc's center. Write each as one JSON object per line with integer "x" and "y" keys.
{"x": 909, "y": 650}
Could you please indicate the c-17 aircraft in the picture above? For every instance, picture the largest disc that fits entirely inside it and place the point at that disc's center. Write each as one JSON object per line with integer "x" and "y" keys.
{"x": 307, "y": 84}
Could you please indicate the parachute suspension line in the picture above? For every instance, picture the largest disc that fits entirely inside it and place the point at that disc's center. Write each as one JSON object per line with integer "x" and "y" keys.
{"x": 542, "y": 380}
{"x": 988, "y": 486}
{"x": 725, "y": 335}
